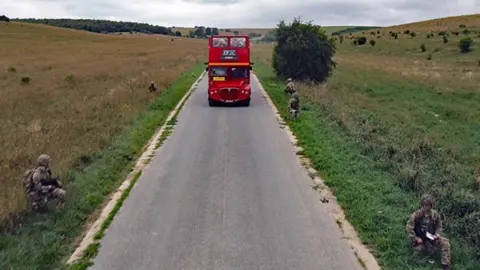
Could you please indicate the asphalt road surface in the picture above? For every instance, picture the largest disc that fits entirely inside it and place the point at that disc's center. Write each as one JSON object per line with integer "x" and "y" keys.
{"x": 225, "y": 191}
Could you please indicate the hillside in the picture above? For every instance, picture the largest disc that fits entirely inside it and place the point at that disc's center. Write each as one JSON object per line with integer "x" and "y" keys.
{"x": 84, "y": 89}
{"x": 440, "y": 24}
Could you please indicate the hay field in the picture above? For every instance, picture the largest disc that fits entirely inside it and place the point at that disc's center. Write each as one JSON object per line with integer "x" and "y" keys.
{"x": 84, "y": 89}
{"x": 440, "y": 24}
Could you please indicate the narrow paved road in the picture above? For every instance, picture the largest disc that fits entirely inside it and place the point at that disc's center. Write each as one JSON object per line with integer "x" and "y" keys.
{"x": 225, "y": 191}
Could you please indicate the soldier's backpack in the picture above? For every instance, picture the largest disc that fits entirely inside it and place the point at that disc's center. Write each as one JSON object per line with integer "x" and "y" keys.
{"x": 28, "y": 180}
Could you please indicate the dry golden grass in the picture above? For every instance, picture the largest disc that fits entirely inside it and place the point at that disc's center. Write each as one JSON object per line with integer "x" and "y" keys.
{"x": 84, "y": 89}
{"x": 441, "y": 24}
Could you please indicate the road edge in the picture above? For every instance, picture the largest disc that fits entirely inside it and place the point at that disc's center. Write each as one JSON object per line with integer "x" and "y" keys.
{"x": 117, "y": 198}
{"x": 363, "y": 254}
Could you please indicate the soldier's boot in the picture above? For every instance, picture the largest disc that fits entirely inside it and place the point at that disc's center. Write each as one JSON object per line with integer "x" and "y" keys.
{"x": 293, "y": 114}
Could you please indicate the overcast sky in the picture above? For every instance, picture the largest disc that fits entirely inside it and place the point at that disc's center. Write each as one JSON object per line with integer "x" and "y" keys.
{"x": 242, "y": 13}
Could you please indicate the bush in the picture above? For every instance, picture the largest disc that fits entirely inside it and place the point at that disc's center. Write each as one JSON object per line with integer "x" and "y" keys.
{"x": 341, "y": 39}
{"x": 462, "y": 25}
{"x": 466, "y": 31}
{"x": 465, "y": 44}
{"x": 12, "y": 69}
{"x": 361, "y": 40}
{"x": 4, "y": 18}
{"x": 178, "y": 33}
{"x": 428, "y": 36}
{"x": 372, "y": 42}
{"x": 413, "y": 34}
{"x": 25, "y": 80}
{"x": 445, "y": 39}
{"x": 423, "y": 48}
{"x": 429, "y": 57}
{"x": 406, "y": 32}
{"x": 303, "y": 52}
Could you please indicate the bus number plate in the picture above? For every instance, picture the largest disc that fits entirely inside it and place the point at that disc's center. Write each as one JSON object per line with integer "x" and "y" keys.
{"x": 229, "y": 55}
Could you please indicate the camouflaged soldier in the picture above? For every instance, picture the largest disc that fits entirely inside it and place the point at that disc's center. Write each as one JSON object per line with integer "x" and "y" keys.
{"x": 290, "y": 89}
{"x": 294, "y": 105}
{"x": 41, "y": 186}
{"x": 152, "y": 87}
{"x": 427, "y": 220}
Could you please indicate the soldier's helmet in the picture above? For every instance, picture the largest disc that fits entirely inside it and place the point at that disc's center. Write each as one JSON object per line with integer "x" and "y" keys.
{"x": 289, "y": 80}
{"x": 427, "y": 199}
{"x": 44, "y": 160}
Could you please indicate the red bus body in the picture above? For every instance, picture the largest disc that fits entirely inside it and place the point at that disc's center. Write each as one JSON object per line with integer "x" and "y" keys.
{"x": 229, "y": 69}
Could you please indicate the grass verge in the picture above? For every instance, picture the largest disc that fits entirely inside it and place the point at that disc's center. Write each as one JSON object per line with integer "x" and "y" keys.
{"x": 93, "y": 248}
{"x": 364, "y": 182}
{"x": 43, "y": 240}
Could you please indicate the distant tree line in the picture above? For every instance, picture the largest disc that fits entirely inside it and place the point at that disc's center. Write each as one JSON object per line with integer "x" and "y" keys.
{"x": 106, "y": 26}
{"x": 203, "y": 32}
{"x": 102, "y": 26}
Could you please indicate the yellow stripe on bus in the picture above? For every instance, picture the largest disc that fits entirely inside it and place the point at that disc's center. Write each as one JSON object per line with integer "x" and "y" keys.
{"x": 229, "y": 64}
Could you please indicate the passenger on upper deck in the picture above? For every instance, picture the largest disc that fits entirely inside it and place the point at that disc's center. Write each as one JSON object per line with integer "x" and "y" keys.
{"x": 238, "y": 42}
{"x": 220, "y": 42}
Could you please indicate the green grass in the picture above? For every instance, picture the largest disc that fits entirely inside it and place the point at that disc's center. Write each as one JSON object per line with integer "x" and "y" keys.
{"x": 364, "y": 135}
{"x": 44, "y": 240}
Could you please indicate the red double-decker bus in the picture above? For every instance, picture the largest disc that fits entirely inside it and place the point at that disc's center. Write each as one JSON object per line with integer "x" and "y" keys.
{"x": 229, "y": 69}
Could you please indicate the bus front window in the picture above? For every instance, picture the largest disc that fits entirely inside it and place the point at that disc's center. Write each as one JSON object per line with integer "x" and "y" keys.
{"x": 219, "y": 72}
{"x": 240, "y": 73}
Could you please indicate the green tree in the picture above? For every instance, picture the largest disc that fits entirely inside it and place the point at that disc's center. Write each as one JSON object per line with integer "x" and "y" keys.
{"x": 200, "y": 31}
{"x": 208, "y": 31}
{"x": 178, "y": 33}
{"x": 303, "y": 52}
{"x": 215, "y": 31}
{"x": 4, "y": 18}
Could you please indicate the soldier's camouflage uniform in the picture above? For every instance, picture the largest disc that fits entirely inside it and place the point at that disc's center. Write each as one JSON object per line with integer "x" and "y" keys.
{"x": 294, "y": 105}
{"x": 423, "y": 221}
{"x": 290, "y": 89}
{"x": 41, "y": 186}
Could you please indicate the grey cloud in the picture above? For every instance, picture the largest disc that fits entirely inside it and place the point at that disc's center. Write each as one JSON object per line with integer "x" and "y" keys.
{"x": 245, "y": 13}
{"x": 220, "y": 2}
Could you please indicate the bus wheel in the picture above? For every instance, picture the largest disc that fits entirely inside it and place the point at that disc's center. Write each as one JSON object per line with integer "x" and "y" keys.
{"x": 211, "y": 103}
